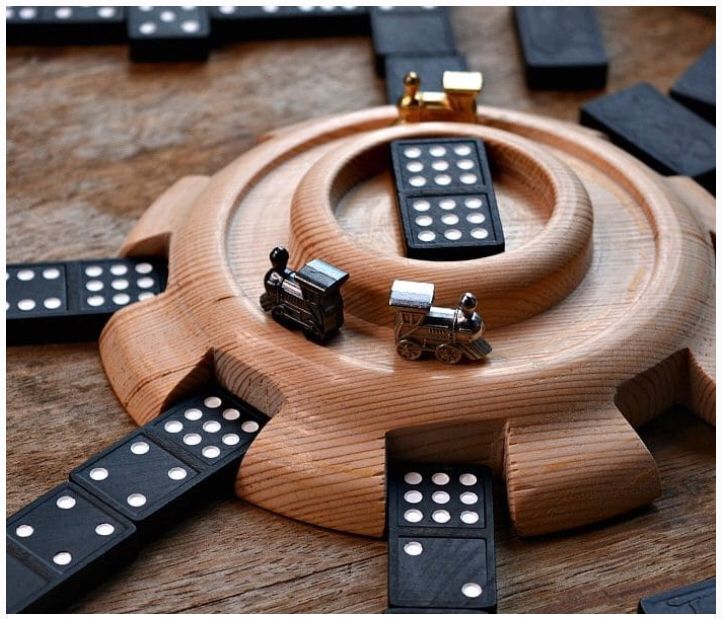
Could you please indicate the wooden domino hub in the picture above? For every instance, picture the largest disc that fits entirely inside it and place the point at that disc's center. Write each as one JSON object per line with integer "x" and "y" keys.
{"x": 600, "y": 313}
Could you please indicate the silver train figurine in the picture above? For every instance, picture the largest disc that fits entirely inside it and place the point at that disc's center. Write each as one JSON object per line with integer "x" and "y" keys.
{"x": 449, "y": 333}
{"x": 309, "y": 298}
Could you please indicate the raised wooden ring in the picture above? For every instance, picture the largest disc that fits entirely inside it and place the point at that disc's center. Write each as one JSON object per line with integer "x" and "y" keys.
{"x": 591, "y": 332}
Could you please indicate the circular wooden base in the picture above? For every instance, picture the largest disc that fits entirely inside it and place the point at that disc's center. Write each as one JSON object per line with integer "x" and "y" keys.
{"x": 600, "y": 312}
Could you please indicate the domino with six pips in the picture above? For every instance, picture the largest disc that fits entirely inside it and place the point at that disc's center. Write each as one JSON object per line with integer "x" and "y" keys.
{"x": 441, "y": 538}
{"x": 84, "y": 530}
{"x": 71, "y": 301}
{"x": 446, "y": 199}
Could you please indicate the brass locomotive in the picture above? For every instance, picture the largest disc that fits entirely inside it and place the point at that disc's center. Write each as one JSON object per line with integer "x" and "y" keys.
{"x": 449, "y": 333}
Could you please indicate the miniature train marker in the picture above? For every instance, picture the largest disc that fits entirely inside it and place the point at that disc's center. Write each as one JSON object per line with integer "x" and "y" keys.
{"x": 449, "y": 333}
{"x": 309, "y": 298}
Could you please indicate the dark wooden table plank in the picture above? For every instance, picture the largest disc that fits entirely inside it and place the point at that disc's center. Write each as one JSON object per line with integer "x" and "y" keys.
{"x": 93, "y": 139}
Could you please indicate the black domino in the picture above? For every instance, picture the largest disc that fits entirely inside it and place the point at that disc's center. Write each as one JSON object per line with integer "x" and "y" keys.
{"x": 695, "y": 89}
{"x": 432, "y": 611}
{"x": 657, "y": 130}
{"x": 446, "y": 199}
{"x": 698, "y": 599}
{"x": 233, "y": 23}
{"x": 562, "y": 47}
{"x": 441, "y": 537}
{"x": 410, "y": 31}
{"x": 65, "y": 25}
{"x": 429, "y": 69}
{"x": 159, "y": 474}
{"x": 61, "y": 545}
{"x": 72, "y": 301}
{"x": 24, "y": 25}
{"x": 76, "y": 25}
{"x": 26, "y": 584}
{"x": 168, "y": 33}
{"x": 210, "y": 430}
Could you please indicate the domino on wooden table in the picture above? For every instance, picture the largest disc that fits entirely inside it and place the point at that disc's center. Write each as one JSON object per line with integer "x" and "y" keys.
{"x": 428, "y": 68}
{"x": 62, "y": 544}
{"x": 696, "y": 87}
{"x": 698, "y": 598}
{"x": 76, "y": 25}
{"x": 232, "y": 23}
{"x": 24, "y": 25}
{"x": 446, "y": 199}
{"x": 441, "y": 537}
{"x": 410, "y": 31}
{"x": 72, "y": 301}
{"x": 158, "y": 474}
{"x": 65, "y": 25}
{"x": 432, "y": 611}
{"x": 657, "y": 130}
{"x": 562, "y": 47}
{"x": 168, "y": 33}
{"x": 75, "y": 535}
{"x": 24, "y": 583}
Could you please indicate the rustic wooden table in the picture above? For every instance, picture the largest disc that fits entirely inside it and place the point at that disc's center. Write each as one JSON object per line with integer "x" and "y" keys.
{"x": 93, "y": 139}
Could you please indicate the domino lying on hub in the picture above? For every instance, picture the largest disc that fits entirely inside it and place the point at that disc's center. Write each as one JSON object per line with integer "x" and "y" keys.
{"x": 446, "y": 199}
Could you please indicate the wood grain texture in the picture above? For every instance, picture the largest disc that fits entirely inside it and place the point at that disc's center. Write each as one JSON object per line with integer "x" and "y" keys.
{"x": 561, "y": 304}
{"x": 84, "y": 127}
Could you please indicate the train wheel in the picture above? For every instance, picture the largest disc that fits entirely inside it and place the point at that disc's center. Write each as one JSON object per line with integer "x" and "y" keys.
{"x": 448, "y": 353}
{"x": 409, "y": 350}
{"x": 277, "y": 314}
{"x": 313, "y": 335}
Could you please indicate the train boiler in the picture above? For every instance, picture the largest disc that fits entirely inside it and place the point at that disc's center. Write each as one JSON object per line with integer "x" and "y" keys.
{"x": 309, "y": 298}
{"x": 449, "y": 333}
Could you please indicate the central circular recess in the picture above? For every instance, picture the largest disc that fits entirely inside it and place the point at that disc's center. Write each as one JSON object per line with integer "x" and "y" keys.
{"x": 345, "y": 211}
{"x": 369, "y": 212}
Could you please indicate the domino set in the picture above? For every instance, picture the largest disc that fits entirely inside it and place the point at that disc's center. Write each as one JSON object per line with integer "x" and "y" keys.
{"x": 83, "y": 531}
{"x": 562, "y": 47}
{"x": 439, "y": 517}
{"x": 404, "y": 38}
{"x": 157, "y": 33}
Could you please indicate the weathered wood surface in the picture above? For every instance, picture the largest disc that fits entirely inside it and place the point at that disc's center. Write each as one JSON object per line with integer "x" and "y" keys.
{"x": 92, "y": 140}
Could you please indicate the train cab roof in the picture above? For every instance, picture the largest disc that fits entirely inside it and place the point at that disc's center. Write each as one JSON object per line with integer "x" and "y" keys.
{"x": 412, "y": 296}
{"x": 321, "y": 276}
